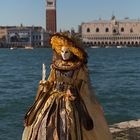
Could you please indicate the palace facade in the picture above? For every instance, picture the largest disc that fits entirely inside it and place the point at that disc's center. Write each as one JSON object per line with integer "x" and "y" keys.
{"x": 112, "y": 32}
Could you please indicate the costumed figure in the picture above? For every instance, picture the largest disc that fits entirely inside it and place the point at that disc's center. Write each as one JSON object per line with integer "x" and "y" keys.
{"x": 65, "y": 107}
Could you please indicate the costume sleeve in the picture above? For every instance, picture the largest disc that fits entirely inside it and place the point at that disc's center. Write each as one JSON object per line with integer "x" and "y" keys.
{"x": 44, "y": 89}
{"x": 47, "y": 85}
{"x": 85, "y": 88}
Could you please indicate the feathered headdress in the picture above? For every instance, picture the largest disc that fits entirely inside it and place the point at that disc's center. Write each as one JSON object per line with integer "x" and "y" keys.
{"x": 59, "y": 40}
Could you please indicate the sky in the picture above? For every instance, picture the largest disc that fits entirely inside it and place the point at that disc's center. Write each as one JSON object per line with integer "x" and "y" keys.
{"x": 70, "y": 13}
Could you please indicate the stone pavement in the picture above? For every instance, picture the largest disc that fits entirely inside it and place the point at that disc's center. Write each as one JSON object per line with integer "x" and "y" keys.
{"x": 129, "y": 130}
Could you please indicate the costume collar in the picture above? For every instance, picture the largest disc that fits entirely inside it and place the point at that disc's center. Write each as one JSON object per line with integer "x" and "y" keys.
{"x": 66, "y": 65}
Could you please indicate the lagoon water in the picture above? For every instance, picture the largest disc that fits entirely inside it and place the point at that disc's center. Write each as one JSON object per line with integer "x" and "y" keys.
{"x": 114, "y": 73}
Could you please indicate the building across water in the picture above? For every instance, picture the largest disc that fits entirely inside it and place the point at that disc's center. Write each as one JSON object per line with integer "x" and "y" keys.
{"x": 21, "y": 36}
{"x": 112, "y": 32}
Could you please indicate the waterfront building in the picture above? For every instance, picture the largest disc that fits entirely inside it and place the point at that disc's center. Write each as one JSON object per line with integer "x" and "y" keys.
{"x": 112, "y": 32}
{"x": 3, "y": 30}
{"x": 22, "y": 36}
{"x": 39, "y": 37}
{"x": 2, "y": 36}
{"x": 3, "y": 33}
{"x": 18, "y": 37}
{"x": 51, "y": 16}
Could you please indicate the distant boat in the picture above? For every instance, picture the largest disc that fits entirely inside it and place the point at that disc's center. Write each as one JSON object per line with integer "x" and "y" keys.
{"x": 108, "y": 46}
{"x": 13, "y": 48}
{"x": 121, "y": 46}
{"x": 29, "y": 47}
{"x": 94, "y": 46}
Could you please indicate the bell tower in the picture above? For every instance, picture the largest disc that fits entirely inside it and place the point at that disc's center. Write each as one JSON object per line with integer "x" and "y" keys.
{"x": 51, "y": 16}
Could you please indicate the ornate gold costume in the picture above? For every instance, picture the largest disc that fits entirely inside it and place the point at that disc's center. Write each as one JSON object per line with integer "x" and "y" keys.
{"x": 64, "y": 109}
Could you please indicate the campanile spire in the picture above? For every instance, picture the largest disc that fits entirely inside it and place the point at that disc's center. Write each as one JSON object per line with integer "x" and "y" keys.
{"x": 51, "y": 16}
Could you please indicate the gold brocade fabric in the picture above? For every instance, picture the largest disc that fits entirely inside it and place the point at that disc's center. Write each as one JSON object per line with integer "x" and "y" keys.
{"x": 63, "y": 109}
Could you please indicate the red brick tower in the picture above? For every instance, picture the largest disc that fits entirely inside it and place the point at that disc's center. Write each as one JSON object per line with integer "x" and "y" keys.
{"x": 51, "y": 16}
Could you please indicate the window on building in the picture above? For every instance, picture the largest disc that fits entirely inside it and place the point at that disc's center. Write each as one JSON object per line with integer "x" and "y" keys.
{"x": 131, "y": 30}
{"x": 88, "y": 30}
{"x": 49, "y": 3}
{"x": 122, "y": 29}
{"x": 97, "y": 30}
{"x": 114, "y": 31}
{"x": 107, "y": 30}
